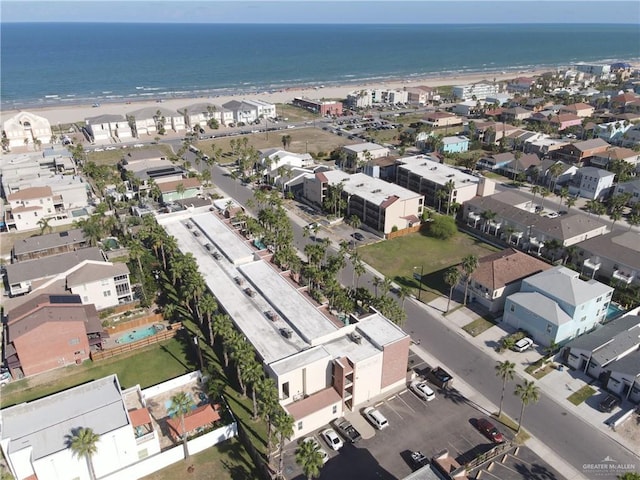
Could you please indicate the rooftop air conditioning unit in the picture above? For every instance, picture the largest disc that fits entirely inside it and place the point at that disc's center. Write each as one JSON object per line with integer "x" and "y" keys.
{"x": 357, "y": 338}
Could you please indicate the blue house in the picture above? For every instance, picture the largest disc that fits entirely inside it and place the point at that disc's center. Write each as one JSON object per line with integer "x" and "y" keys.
{"x": 556, "y": 306}
{"x": 455, "y": 144}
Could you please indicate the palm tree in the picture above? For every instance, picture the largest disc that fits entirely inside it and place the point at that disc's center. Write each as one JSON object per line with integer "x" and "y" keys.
{"x": 84, "y": 444}
{"x": 451, "y": 278}
{"x": 283, "y": 424}
{"x": 469, "y": 265}
{"x": 269, "y": 406}
{"x": 309, "y": 458}
{"x": 528, "y": 393}
{"x": 504, "y": 370}
{"x": 181, "y": 404}
{"x": 44, "y": 224}
{"x": 544, "y": 193}
{"x": 180, "y": 190}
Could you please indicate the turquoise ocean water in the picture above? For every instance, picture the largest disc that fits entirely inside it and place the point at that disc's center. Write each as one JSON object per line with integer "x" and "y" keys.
{"x": 48, "y": 64}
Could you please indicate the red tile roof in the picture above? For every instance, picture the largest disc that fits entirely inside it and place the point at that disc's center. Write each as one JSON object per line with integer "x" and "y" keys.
{"x": 30, "y": 193}
{"x": 200, "y": 417}
{"x": 313, "y": 403}
{"x": 191, "y": 182}
{"x": 139, "y": 417}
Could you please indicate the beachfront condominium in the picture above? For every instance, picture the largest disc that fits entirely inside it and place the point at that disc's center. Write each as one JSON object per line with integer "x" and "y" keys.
{"x": 476, "y": 91}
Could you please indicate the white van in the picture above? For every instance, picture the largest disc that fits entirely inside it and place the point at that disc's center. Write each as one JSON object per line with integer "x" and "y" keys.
{"x": 376, "y": 418}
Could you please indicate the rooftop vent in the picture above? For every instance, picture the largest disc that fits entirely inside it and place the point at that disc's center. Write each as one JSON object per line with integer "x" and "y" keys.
{"x": 357, "y": 338}
{"x": 286, "y": 332}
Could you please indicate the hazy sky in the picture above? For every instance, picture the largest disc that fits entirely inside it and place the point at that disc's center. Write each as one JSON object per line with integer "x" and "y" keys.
{"x": 323, "y": 11}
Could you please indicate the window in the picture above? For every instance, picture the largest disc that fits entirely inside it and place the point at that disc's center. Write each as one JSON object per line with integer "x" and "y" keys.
{"x": 334, "y": 410}
{"x": 512, "y": 308}
{"x": 35, "y": 214}
{"x": 19, "y": 217}
{"x": 285, "y": 390}
{"x": 599, "y": 299}
{"x": 299, "y": 425}
{"x": 549, "y": 328}
{"x": 106, "y": 293}
{"x": 583, "y": 318}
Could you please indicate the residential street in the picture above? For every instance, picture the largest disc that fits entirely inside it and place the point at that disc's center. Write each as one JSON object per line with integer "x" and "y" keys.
{"x": 572, "y": 444}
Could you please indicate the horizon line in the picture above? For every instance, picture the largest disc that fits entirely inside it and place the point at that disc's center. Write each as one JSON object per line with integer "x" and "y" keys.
{"x": 309, "y": 23}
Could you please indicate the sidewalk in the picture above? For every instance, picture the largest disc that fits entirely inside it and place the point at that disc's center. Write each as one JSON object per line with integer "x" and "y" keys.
{"x": 557, "y": 384}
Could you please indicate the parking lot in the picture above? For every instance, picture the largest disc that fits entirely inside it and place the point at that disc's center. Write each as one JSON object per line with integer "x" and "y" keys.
{"x": 447, "y": 422}
{"x": 444, "y": 423}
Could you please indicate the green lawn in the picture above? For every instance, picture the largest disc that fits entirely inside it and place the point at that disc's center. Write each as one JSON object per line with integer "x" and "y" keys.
{"x": 581, "y": 395}
{"x": 478, "y": 326}
{"x": 150, "y": 366}
{"x": 226, "y": 461}
{"x": 401, "y": 257}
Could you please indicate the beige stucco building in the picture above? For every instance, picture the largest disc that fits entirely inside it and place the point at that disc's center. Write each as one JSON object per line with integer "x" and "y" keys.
{"x": 26, "y": 126}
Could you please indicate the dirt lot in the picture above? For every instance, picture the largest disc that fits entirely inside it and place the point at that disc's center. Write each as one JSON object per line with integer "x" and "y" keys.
{"x": 630, "y": 429}
{"x": 303, "y": 140}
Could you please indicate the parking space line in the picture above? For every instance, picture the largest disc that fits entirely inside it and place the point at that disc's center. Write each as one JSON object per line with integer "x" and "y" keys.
{"x": 402, "y": 400}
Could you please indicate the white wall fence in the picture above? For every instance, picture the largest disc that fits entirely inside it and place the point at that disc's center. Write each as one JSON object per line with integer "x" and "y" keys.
{"x": 171, "y": 385}
{"x": 176, "y": 454}
{"x": 623, "y": 418}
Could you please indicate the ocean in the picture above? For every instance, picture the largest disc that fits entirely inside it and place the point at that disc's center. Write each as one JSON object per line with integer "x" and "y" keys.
{"x": 70, "y": 63}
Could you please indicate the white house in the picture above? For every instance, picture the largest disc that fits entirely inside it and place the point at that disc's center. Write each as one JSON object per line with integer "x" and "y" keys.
{"x": 632, "y": 187}
{"x": 26, "y": 126}
{"x": 108, "y": 128}
{"x": 104, "y": 284}
{"x": 592, "y": 183}
{"x": 34, "y": 435}
{"x": 29, "y": 206}
{"x": 366, "y": 151}
{"x": 248, "y": 111}
{"x": 274, "y": 158}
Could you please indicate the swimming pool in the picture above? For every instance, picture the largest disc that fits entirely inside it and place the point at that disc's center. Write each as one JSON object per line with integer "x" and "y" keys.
{"x": 613, "y": 311}
{"x": 136, "y": 335}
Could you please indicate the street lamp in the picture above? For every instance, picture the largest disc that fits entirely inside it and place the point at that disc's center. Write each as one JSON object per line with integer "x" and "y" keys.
{"x": 415, "y": 275}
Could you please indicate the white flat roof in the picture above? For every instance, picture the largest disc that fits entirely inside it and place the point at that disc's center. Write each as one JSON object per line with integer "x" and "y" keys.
{"x": 301, "y": 314}
{"x": 247, "y": 313}
{"x": 45, "y": 423}
{"x": 436, "y": 172}
{"x": 305, "y": 357}
{"x": 373, "y": 190}
{"x": 356, "y": 352}
{"x": 224, "y": 238}
{"x": 379, "y": 330}
{"x": 362, "y": 147}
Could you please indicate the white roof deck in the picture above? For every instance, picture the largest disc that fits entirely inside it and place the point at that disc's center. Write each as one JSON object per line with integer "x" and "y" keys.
{"x": 371, "y": 189}
{"x": 356, "y": 352}
{"x": 45, "y": 423}
{"x": 224, "y": 238}
{"x": 301, "y": 314}
{"x": 306, "y": 357}
{"x": 247, "y": 313}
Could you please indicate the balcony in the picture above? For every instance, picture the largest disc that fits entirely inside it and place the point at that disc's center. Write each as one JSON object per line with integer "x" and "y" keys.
{"x": 592, "y": 264}
{"x": 624, "y": 277}
{"x": 534, "y": 242}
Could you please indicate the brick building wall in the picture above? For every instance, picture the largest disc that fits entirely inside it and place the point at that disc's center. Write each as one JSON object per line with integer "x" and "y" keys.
{"x": 52, "y": 345}
{"x": 395, "y": 359}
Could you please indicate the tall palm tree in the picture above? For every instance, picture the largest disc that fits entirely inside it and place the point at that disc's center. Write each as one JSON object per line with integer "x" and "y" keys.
{"x": 528, "y": 393}
{"x": 469, "y": 265}
{"x": 309, "y": 458}
{"x": 44, "y": 224}
{"x": 452, "y": 277}
{"x": 283, "y": 424}
{"x": 505, "y": 371}
{"x": 83, "y": 443}
{"x": 181, "y": 404}
{"x": 269, "y": 406}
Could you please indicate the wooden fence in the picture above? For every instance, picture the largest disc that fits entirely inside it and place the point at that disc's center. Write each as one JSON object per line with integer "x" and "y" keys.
{"x": 161, "y": 336}
{"x": 135, "y": 323}
{"x": 406, "y": 231}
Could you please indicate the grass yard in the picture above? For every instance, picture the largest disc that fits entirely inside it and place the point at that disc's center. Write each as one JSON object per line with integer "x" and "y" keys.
{"x": 226, "y": 461}
{"x": 538, "y": 371}
{"x": 150, "y": 366}
{"x": 581, "y": 395}
{"x": 401, "y": 257}
{"x": 521, "y": 437}
{"x": 478, "y": 326}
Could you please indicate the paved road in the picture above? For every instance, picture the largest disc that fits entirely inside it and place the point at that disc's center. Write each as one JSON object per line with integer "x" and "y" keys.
{"x": 571, "y": 438}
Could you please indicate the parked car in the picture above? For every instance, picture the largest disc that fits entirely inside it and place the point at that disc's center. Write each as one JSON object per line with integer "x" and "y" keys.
{"x": 489, "y": 430}
{"x": 439, "y": 377}
{"x": 609, "y": 403}
{"x": 358, "y": 236}
{"x": 376, "y": 418}
{"x": 418, "y": 459}
{"x": 422, "y": 390}
{"x": 348, "y": 431}
{"x": 323, "y": 453}
{"x": 5, "y": 377}
{"x": 522, "y": 344}
{"x": 333, "y": 440}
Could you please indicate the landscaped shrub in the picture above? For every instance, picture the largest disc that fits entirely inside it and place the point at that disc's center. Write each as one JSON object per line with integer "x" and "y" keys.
{"x": 443, "y": 227}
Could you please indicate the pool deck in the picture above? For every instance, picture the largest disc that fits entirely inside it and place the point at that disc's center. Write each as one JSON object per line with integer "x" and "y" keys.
{"x": 110, "y": 342}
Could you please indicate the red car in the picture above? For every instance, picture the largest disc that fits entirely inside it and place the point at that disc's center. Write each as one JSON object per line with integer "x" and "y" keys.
{"x": 489, "y": 430}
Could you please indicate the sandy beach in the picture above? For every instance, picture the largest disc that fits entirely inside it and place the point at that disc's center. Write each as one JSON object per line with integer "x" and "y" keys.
{"x": 65, "y": 114}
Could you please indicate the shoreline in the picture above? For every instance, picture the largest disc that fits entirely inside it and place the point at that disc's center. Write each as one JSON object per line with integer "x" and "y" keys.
{"x": 67, "y": 113}
{"x": 78, "y": 112}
